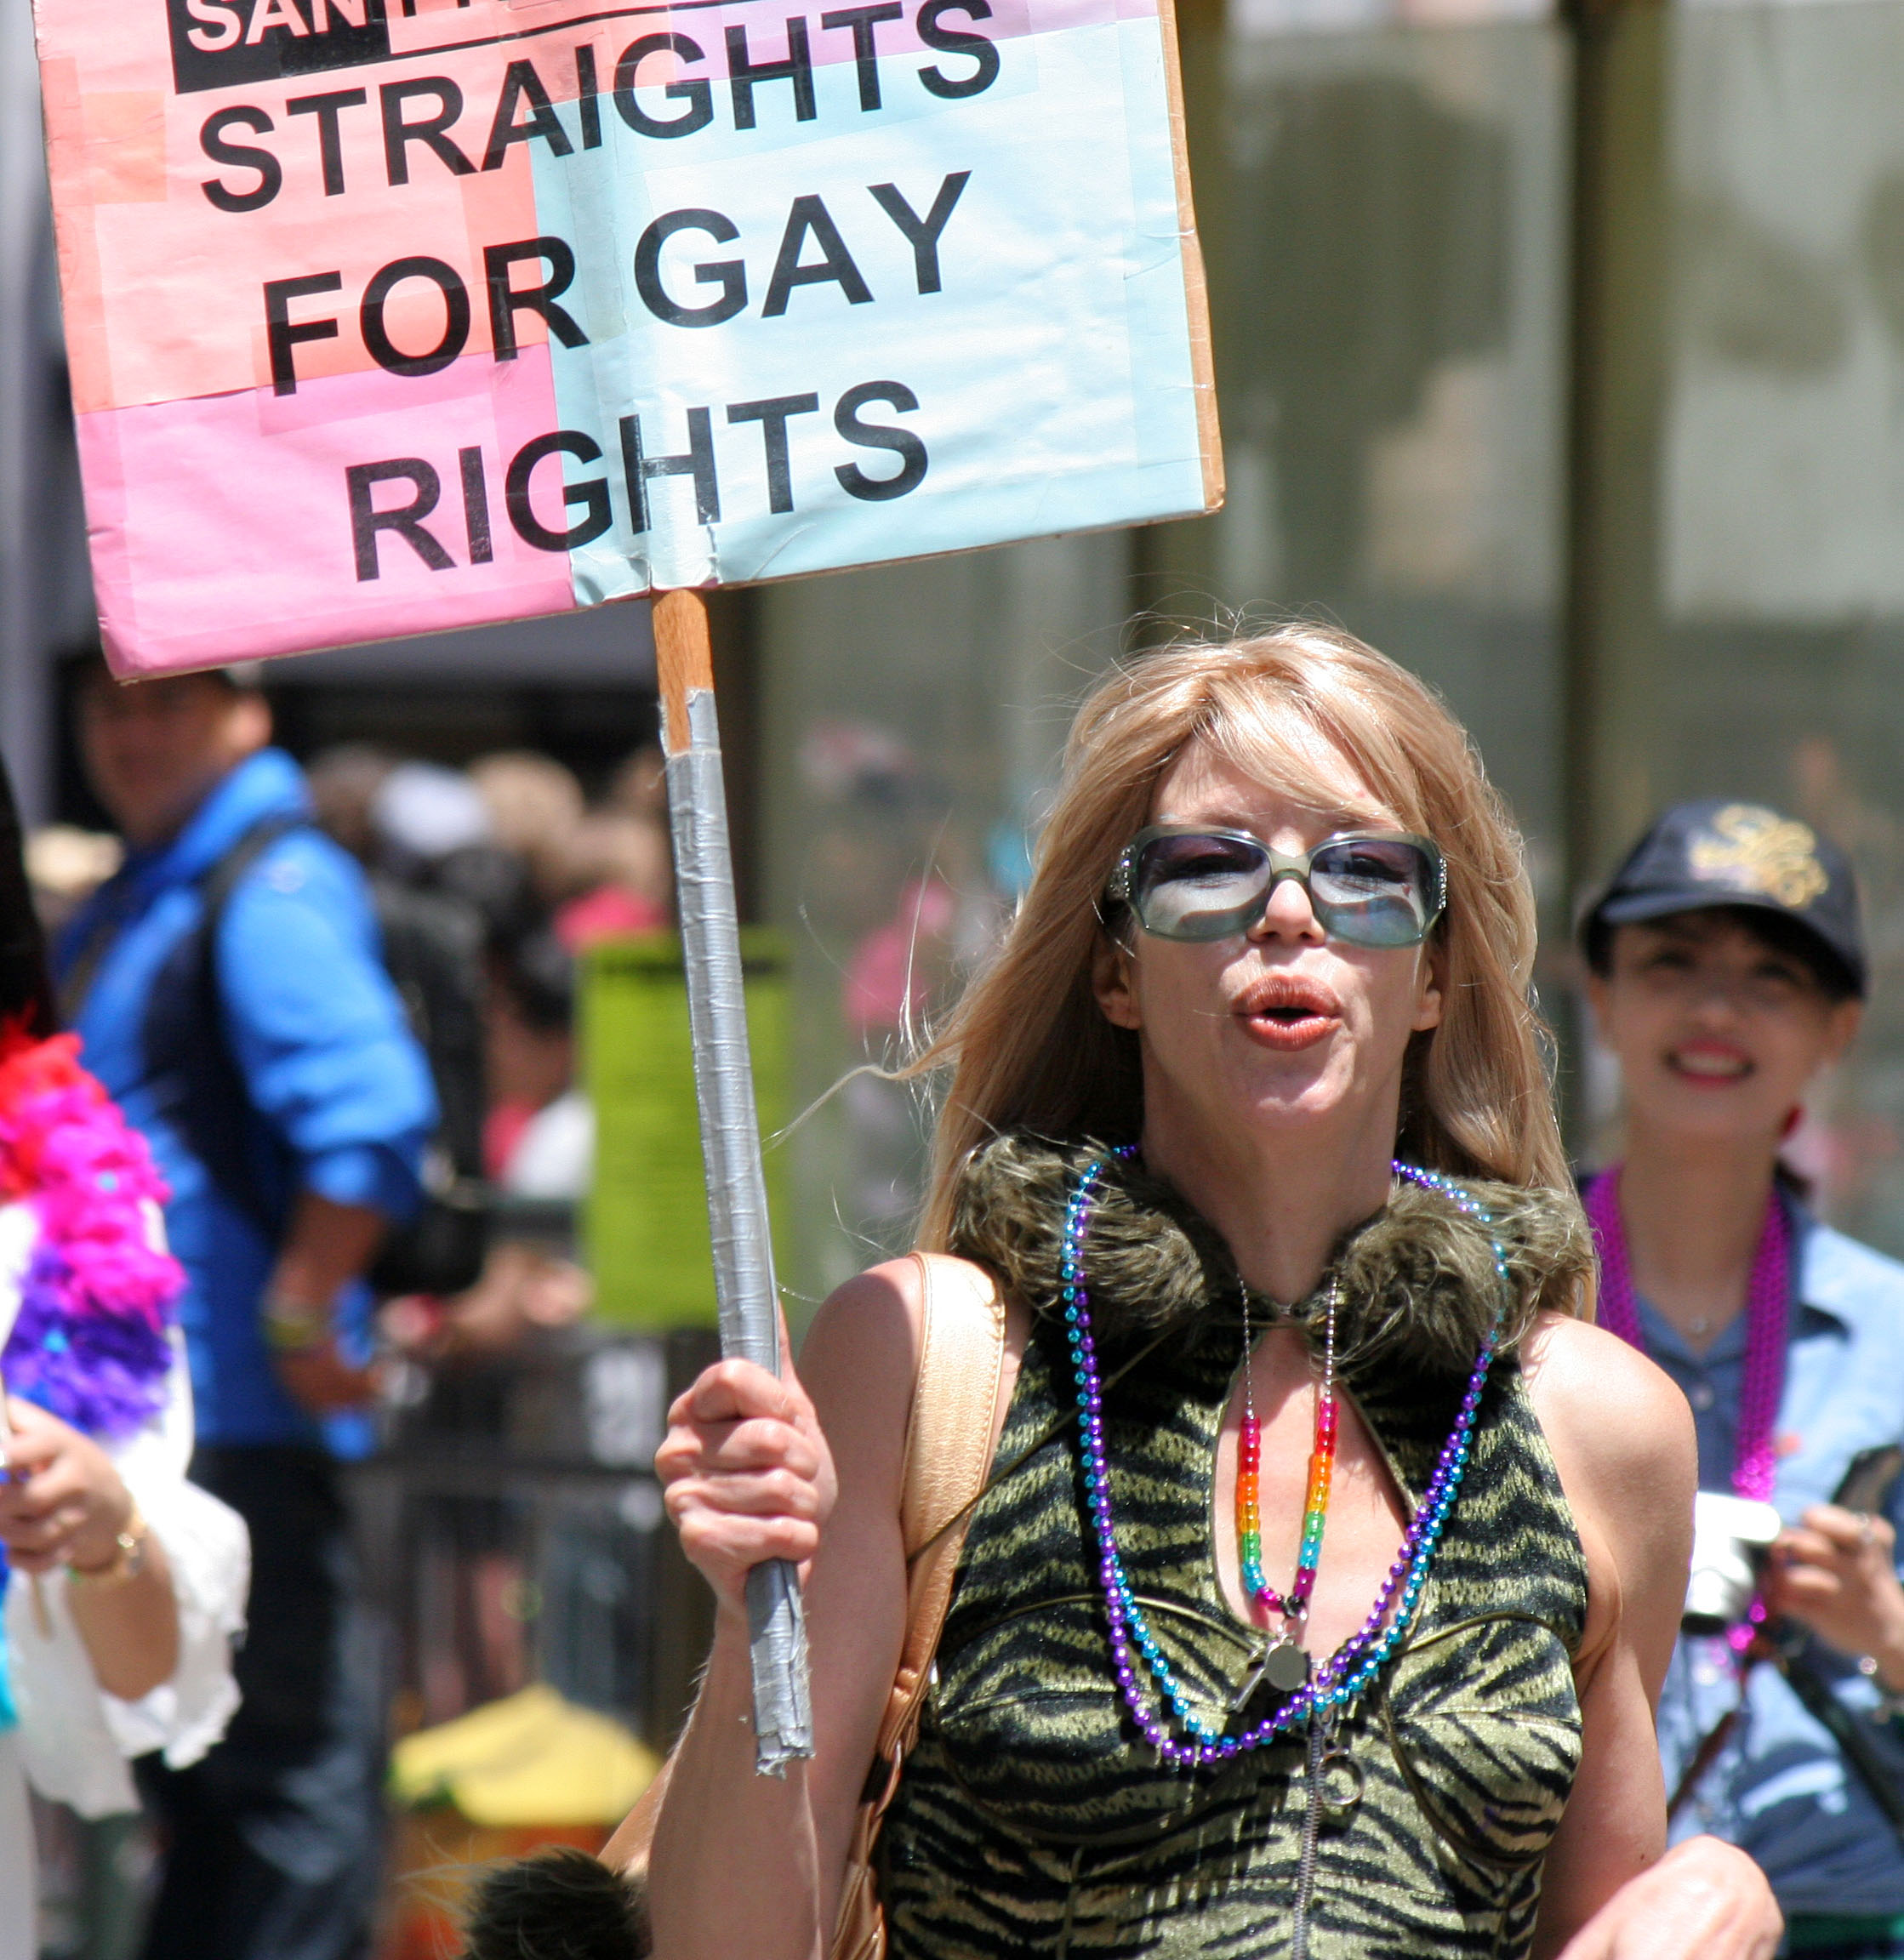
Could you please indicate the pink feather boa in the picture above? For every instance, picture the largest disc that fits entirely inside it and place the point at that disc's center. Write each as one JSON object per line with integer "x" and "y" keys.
{"x": 93, "y": 1340}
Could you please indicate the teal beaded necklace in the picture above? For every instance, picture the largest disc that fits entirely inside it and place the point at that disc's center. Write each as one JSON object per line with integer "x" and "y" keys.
{"x": 1136, "y": 1651}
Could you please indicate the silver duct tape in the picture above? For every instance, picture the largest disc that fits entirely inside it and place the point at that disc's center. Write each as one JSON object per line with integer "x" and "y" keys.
{"x": 777, "y": 1645}
{"x": 744, "y": 1281}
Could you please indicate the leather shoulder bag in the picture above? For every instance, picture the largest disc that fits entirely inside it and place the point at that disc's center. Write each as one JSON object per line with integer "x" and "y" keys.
{"x": 948, "y": 1455}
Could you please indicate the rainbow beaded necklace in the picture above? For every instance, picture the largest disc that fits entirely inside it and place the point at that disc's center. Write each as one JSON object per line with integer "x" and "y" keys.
{"x": 1135, "y": 1650}
{"x": 1295, "y": 1603}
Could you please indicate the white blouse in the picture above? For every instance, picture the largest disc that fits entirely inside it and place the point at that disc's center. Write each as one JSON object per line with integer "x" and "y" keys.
{"x": 75, "y": 1738}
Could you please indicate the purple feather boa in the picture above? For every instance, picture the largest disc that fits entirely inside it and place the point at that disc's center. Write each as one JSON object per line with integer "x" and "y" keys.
{"x": 93, "y": 1340}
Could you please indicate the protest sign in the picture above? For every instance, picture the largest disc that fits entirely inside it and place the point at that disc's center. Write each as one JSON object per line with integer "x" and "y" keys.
{"x": 387, "y": 317}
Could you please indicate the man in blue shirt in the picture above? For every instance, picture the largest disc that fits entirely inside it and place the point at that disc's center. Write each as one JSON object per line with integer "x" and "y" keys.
{"x": 1729, "y": 967}
{"x": 265, "y": 1055}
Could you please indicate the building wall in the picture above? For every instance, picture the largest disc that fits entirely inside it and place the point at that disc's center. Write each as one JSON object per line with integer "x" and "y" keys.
{"x": 912, "y": 719}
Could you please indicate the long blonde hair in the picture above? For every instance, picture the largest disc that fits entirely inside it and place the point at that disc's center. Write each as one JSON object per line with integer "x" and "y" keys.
{"x": 1028, "y": 1047}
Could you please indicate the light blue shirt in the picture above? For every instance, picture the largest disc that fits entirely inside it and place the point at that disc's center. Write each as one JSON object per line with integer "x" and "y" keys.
{"x": 1780, "y": 1789}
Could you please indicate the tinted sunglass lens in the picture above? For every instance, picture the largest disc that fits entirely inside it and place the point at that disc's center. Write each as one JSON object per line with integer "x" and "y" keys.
{"x": 1374, "y": 892}
{"x": 1195, "y": 888}
{"x": 1366, "y": 891}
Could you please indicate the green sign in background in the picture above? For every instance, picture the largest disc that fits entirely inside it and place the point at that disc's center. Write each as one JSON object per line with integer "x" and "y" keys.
{"x": 645, "y": 1226}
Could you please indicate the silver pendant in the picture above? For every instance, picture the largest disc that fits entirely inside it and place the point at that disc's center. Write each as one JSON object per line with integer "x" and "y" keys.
{"x": 1285, "y": 1666}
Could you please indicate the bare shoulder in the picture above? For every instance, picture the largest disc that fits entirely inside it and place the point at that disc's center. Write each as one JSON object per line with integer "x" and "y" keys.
{"x": 860, "y": 1359}
{"x": 1603, "y": 1402}
{"x": 874, "y": 1316}
{"x": 1620, "y": 1433}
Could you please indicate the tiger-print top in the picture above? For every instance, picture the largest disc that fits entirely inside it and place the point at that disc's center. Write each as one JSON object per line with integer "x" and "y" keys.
{"x": 1032, "y": 1819}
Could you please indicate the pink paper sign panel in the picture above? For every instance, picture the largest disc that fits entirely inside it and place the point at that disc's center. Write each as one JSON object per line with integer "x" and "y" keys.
{"x": 387, "y": 317}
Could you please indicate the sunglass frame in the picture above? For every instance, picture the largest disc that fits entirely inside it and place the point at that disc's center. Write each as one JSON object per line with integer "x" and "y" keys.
{"x": 1281, "y": 865}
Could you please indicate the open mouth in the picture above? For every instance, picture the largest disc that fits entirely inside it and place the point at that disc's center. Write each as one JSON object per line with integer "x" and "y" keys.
{"x": 1287, "y": 1010}
{"x": 1710, "y": 1064}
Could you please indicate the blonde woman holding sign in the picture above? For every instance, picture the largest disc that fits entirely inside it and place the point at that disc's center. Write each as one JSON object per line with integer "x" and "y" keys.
{"x": 1330, "y": 1560}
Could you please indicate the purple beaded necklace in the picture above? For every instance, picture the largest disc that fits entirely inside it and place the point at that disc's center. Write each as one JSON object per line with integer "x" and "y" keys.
{"x": 1135, "y": 1650}
{"x": 1768, "y": 1309}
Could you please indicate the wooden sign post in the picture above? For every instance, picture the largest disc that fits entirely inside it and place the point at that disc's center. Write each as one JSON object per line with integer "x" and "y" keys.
{"x": 744, "y": 1282}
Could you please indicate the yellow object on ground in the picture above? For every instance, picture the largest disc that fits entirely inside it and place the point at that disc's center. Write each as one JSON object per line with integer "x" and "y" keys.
{"x": 531, "y": 1758}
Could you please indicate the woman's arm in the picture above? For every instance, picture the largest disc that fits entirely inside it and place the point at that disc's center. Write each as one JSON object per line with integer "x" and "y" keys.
{"x": 1622, "y": 1441}
{"x": 804, "y": 1467}
{"x": 66, "y": 1504}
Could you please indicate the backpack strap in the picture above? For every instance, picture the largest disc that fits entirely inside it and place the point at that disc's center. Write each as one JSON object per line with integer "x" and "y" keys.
{"x": 949, "y": 1450}
{"x": 222, "y": 877}
{"x": 217, "y": 1112}
{"x": 214, "y": 885}
{"x": 948, "y": 1439}
{"x": 199, "y": 1091}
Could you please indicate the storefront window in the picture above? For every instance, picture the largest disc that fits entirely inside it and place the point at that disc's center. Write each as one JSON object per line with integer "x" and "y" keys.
{"x": 1384, "y": 211}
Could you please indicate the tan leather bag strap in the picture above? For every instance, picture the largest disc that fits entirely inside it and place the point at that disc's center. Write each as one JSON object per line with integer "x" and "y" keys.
{"x": 947, "y": 1455}
{"x": 949, "y": 1450}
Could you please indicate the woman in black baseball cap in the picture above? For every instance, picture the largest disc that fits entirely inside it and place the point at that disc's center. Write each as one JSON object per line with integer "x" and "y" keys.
{"x": 1728, "y": 968}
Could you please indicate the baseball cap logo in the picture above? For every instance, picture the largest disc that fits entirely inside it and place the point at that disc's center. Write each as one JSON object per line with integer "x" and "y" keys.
{"x": 1753, "y": 849}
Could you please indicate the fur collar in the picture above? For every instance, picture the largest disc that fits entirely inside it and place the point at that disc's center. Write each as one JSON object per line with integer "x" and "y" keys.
{"x": 1418, "y": 1281}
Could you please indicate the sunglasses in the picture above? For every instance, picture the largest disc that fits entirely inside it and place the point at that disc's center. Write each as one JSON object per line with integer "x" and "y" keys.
{"x": 1384, "y": 889}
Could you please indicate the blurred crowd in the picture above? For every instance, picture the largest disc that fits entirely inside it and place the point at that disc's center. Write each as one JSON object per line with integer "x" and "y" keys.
{"x": 490, "y": 882}
{"x": 334, "y": 1005}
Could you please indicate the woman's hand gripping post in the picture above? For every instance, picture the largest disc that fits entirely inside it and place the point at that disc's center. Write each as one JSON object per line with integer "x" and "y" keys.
{"x": 804, "y": 1466}
{"x": 748, "y": 1475}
